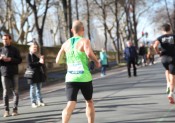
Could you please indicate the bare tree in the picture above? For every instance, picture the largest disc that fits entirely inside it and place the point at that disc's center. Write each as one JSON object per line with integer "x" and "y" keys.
{"x": 103, "y": 5}
{"x": 57, "y": 22}
{"x": 23, "y": 12}
{"x": 117, "y": 30}
{"x": 134, "y": 33}
{"x": 88, "y": 19}
{"x": 68, "y": 14}
{"x": 3, "y": 17}
{"x": 70, "y": 18}
{"x": 76, "y": 5}
{"x": 168, "y": 14}
{"x": 39, "y": 28}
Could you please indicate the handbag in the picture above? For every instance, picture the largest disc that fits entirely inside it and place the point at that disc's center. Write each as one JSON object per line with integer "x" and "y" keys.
{"x": 29, "y": 73}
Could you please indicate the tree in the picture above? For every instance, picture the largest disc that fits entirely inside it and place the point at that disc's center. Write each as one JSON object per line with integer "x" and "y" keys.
{"x": 23, "y": 13}
{"x": 102, "y": 5}
{"x": 117, "y": 30}
{"x": 77, "y": 13}
{"x": 164, "y": 14}
{"x": 39, "y": 28}
{"x": 168, "y": 14}
{"x": 68, "y": 15}
{"x": 70, "y": 18}
{"x": 88, "y": 19}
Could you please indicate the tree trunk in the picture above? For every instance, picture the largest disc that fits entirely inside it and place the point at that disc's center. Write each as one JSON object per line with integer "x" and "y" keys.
{"x": 65, "y": 9}
{"x": 38, "y": 28}
{"x": 105, "y": 25}
{"x": 135, "y": 23}
{"x": 168, "y": 15}
{"x": 88, "y": 19}
{"x": 70, "y": 18}
{"x": 76, "y": 6}
{"x": 128, "y": 32}
{"x": 103, "y": 9}
{"x": 117, "y": 31}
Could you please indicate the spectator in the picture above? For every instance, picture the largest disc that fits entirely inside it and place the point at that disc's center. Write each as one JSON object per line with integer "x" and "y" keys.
{"x": 103, "y": 61}
{"x": 150, "y": 55}
{"x": 142, "y": 54}
{"x": 9, "y": 60}
{"x": 131, "y": 58}
{"x": 37, "y": 65}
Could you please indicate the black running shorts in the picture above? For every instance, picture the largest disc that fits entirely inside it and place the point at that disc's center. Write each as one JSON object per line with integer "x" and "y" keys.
{"x": 72, "y": 89}
{"x": 168, "y": 63}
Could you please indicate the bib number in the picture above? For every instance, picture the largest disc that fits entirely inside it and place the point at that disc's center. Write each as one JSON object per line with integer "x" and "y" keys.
{"x": 75, "y": 68}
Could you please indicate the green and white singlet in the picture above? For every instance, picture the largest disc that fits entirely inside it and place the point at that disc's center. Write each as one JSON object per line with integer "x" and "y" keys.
{"x": 77, "y": 63}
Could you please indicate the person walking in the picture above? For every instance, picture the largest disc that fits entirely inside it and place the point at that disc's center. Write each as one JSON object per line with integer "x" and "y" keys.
{"x": 150, "y": 55}
{"x": 37, "y": 65}
{"x": 131, "y": 58}
{"x": 142, "y": 54}
{"x": 103, "y": 61}
{"x": 167, "y": 53}
{"x": 78, "y": 50}
{"x": 9, "y": 60}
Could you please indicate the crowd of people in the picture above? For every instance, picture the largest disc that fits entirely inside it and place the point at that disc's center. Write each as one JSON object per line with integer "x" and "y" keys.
{"x": 144, "y": 55}
{"x": 78, "y": 52}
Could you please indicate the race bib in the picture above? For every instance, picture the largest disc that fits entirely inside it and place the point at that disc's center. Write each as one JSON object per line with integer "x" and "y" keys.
{"x": 75, "y": 68}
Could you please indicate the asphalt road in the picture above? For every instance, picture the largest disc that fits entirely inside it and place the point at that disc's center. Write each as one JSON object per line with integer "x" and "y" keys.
{"x": 117, "y": 98}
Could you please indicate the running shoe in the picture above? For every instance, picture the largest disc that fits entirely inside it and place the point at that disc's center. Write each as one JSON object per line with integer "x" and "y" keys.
{"x": 171, "y": 98}
{"x": 168, "y": 90}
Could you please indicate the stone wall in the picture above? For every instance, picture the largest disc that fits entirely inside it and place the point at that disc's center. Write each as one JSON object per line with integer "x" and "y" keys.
{"x": 50, "y": 55}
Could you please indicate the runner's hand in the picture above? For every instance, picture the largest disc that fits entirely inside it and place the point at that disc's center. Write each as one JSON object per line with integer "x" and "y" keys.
{"x": 97, "y": 64}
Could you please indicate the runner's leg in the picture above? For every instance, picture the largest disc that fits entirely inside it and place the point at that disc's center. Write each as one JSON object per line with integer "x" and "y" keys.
{"x": 90, "y": 111}
{"x": 66, "y": 114}
{"x": 167, "y": 74}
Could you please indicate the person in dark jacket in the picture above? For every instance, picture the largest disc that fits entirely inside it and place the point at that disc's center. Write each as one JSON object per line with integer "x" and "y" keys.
{"x": 9, "y": 60}
{"x": 37, "y": 64}
{"x": 131, "y": 58}
{"x": 142, "y": 54}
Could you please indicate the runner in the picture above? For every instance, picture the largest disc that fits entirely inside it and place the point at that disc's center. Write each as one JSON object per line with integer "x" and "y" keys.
{"x": 167, "y": 42}
{"x": 77, "y": 50}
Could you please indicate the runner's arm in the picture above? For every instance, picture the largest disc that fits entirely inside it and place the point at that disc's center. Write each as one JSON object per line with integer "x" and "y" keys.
{"x": 60, "y": 54}
{"x": 90, "y": 54}
{"x": 156, "y": 44}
